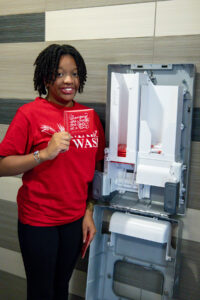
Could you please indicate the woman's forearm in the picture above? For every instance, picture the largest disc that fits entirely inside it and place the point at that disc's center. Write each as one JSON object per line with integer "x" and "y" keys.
{"x": 17, "y": 164}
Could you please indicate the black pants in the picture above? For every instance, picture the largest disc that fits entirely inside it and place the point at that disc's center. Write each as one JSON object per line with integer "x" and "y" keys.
{"x": 49, "y": 255}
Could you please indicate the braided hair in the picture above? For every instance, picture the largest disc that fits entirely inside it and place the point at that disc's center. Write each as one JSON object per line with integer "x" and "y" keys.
{"x": 47, "y": 62}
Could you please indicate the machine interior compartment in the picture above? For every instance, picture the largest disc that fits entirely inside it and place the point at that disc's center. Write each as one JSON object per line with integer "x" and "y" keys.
{"x": 148, "y": 133}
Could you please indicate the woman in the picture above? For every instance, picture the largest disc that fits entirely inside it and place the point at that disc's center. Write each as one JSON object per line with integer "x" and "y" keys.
{"x": 54, "y": 217}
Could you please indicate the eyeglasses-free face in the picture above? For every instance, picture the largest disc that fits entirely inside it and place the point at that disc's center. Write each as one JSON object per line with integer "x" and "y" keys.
{"x": 64, "y": 88}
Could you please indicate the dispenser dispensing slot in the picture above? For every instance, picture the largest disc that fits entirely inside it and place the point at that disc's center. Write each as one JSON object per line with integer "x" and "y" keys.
{"x": 132, "y": 281}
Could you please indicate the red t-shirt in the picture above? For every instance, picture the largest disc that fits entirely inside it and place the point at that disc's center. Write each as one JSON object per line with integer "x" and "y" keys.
{"x": 54, "y": 192}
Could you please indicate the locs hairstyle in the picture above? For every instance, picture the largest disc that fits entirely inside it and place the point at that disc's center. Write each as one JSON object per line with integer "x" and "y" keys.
{"x": 47, "y": 62}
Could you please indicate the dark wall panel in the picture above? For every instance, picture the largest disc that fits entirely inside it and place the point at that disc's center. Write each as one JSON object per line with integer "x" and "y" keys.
{"x": 196, "y": 125}
{"x": 8, "y": 108}
{"x": 22, "y": 28}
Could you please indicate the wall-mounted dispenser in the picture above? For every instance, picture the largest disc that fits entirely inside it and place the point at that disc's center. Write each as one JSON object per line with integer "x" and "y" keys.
{"x": 144, "y": 186}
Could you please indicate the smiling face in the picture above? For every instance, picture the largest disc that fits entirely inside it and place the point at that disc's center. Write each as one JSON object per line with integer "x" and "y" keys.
{"x": 64, "y": 88}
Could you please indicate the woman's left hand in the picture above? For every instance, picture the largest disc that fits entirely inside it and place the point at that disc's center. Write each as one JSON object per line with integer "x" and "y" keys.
{"x": 88, "y": 226}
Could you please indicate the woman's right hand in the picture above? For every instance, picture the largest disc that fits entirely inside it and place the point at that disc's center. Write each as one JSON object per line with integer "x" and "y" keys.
{"x": 59, "y": 142}
{"x": 17, "y": 164}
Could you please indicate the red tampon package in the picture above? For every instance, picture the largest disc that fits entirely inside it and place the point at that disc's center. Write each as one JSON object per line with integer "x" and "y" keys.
{"x": 79, "y": 121}
{"x": 85, "y": 246}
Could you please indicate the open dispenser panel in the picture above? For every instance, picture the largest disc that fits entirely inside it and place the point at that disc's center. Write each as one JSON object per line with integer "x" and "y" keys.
{"x": 148, "y": 131}
{"x": 144, "y": 186}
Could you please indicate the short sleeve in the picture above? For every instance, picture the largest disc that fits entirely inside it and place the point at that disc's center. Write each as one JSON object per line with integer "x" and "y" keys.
{"x": 101, "y": 141}
{"x": 17, "y": 140}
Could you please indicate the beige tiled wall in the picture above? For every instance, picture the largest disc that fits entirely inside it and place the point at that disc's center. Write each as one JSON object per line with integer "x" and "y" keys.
{"x": 178, "y": 49}
{"x": 16, "y": 60}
